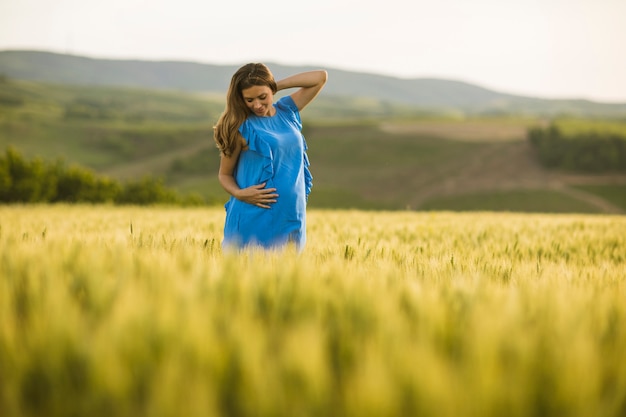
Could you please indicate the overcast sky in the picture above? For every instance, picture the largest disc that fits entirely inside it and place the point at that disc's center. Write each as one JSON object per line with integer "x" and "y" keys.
{"x": 546, "y": 48}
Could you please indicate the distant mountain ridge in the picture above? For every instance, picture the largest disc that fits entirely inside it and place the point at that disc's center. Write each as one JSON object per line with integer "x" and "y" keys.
{"x": 425, "y": 93}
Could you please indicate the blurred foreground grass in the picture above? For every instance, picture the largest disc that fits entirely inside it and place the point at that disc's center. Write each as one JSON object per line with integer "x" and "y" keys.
{"x": 113, "y": 311}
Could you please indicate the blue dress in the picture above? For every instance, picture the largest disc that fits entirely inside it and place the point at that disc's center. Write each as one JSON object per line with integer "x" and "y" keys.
{"x": 276, "y": 155}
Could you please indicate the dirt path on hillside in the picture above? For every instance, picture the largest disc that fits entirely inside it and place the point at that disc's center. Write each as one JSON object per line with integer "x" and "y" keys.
{"x": 508, "y": 166}
{"x": 505, "y": 162}
{"x": 155, "y": 164}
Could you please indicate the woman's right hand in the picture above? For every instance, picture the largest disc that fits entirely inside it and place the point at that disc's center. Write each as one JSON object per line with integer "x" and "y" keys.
{"x": 258, "y": 195}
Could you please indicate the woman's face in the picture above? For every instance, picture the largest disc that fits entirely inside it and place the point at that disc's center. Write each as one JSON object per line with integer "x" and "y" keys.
{"x": 259, "y": 100}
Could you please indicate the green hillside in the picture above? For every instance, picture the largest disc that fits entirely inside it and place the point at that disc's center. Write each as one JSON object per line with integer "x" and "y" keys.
{"x": 364, "y": 153}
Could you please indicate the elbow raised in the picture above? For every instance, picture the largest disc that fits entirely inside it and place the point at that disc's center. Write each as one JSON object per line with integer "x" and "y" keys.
{"x": 324, "y": 76}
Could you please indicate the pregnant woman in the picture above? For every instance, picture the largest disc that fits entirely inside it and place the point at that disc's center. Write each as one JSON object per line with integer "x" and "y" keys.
{"x": 263, "y": 162}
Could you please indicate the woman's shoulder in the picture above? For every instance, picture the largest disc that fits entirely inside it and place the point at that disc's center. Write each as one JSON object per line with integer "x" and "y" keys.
{"x": 287, "y": 103}
{"x": 288, "y": 107}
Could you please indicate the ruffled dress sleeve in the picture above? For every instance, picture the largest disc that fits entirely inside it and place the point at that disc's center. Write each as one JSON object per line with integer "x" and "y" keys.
{"x": 294, "y": 114}
{"x": 260, "y": 147}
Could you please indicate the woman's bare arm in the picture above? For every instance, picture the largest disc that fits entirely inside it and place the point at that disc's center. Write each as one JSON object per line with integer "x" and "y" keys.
{"x": 310, "y": 83}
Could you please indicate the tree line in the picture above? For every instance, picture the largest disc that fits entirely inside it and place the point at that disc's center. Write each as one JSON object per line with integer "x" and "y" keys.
{"x": 38, "y": 181}
{"x": 592, "y": 152}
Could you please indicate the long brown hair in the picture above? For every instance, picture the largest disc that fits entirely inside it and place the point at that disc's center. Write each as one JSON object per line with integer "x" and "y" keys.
{"x": 226, "y": 130}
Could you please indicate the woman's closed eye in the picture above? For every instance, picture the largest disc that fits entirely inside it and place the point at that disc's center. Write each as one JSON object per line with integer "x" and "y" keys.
{"x": 250, "y": 100}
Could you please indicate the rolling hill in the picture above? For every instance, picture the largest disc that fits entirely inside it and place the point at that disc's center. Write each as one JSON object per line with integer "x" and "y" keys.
{"x": 365, "y": 153}
{"x": 423, "y": 93}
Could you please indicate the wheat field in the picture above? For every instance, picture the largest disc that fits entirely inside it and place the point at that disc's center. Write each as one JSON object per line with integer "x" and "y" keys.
{"x": 128, "y": 311}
